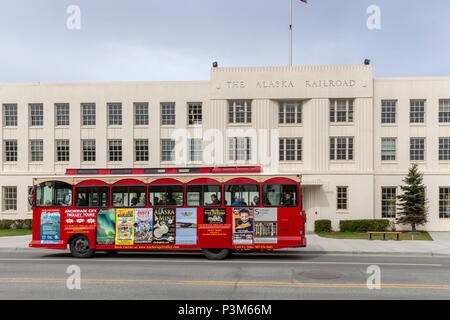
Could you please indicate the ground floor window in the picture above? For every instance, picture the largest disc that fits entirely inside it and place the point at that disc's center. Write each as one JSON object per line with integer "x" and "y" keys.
{"x": 444, "y": 202}
{"x": 9, "y": 198}
{"x": 388, "y": 202}
{"x": 342, "y": 198}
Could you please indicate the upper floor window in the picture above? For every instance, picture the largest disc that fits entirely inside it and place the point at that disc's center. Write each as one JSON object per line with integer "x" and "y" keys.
{"x": 195, "y": 150}
{"x": 167, "y": 150}
{"x": 36, "y": 115}
{"x": 444, "y": 110}
{"x": 10, "y": 115}
{"x": 62, "y": 114}
{"x": 62, "y": 151}
{"x": 89, "y": 152}
{"x": 239, "y": 111}
{"x": 291, "y": 149}
{"x": 290, "y": 113}
{"x": 115, "y": 150}
{"x": 10, "y": 150}
{"x": 341, "y": 110}
{"x": 444, "y": 149}
{"x": 141, "y": 114}
{"x": 388, "y": 111}
{"x": 417, "y": 149}
{"x": 141, "y": 150}
{"x": 417, "y": 111}
{"x": 167, "y": 114}
{"x": 37, "y": 150}
{"x": 341, "y": 148}
{"x": 114, "y": 114}
{"x": 195, "y": 113}
{"x": 88, "y": 114}
{"x": 239, "y": 149}
{"x": 388, "y": 149}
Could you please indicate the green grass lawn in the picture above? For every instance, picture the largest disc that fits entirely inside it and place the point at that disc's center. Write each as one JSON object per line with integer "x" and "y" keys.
{"x": 16, "y": 232}
{"x": 423, "y": 235}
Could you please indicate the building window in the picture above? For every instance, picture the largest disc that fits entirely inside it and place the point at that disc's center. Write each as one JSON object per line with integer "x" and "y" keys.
{"x": 89, "y": 114}
{"x": 240, "y": 111}
{"x": 62, "y": 114}
{"x": 388, "y": 111}
{"x": 388, "y": 202}
{"x": 37, "y": 115}
{"x": 341, "y": 110}
{"x": 114, "y": 114}
{"x": 115, "y": 150}
{"x": 37, "y": 150}
{"x": 141, "y": 114}
{"x": 388, "y": 149}
{"x": 141, "y": 150}
{"x": 291, "y": 149}
{"x": 417, "y": 149}
{"x": 239, "y": 149}
{"x": 342, "y": 198}
{"x": 444, "y": 110}
{"x": 444, "y": 202}
{"x": 167, "y": 114}
{"x": 341, "y": 148}
{"x": 195, "y": 113}
{"x": 290, "y": 112}
{"x": 62, "y": 150}
{"x": 444, "y": 149}
{"x": 417, "y": 111}
{"x": 89, "y": 152}
{"x": 9, "y": 198}
{"x": 10, "y": 150}
{"x": 10, "y": 115}
{"x": 195, "y": 150}
{"x": 167, "y": 150}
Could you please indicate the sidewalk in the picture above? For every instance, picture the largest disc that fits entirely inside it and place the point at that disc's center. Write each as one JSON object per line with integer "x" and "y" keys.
{"x": 439, "y": 247}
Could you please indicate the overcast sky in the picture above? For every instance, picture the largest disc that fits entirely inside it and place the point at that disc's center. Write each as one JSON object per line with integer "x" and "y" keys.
{"x": 152, "y": 40}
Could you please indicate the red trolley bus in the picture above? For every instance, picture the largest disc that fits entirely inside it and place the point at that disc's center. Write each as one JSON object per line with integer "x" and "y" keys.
{"x": 216, "y": 209}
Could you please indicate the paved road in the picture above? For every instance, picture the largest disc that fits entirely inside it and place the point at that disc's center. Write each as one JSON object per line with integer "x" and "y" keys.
{"x": 40, "y": 274}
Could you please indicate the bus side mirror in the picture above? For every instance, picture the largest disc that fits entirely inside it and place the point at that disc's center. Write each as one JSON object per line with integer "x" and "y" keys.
{"x": 30, "y": 197}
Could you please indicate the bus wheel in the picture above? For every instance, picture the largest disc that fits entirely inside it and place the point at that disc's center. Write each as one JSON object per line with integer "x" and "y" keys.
{"x": 216, "y": 254}
{"x": 80, "y": 247}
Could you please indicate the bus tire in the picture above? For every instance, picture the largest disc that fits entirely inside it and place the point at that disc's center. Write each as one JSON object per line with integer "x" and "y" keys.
{"x": 216, "y": 254}
{"x": 80, "y": 247}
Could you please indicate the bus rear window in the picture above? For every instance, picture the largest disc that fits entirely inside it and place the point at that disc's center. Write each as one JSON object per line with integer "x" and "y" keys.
{"x": 53, "y": 194}
{"x": 92, "y": 197}
{"x": 242, "y": 195}
{"x": 280, "y": 195}
{"x": 129, "y": 196}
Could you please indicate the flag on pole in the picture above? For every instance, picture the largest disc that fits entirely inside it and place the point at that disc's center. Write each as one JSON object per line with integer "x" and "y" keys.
{"x": 305, "y": 1}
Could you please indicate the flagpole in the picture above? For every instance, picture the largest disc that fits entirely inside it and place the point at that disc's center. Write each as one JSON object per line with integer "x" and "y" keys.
{"x": 290, "y": 37}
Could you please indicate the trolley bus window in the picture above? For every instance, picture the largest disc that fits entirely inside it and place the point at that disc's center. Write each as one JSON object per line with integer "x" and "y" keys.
{"x": 129, "y": 196}
{"x": 53, "y": 194}
{"x": 166, "y": 196}
{"x": 280, "y": 195}
{"x": 242, "y": 195}
{"x": 91, "y": 197}
{"x": 204, "y": 195}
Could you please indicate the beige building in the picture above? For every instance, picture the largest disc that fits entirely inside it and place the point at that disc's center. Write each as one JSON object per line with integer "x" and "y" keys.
{"x": 351, "y": 136}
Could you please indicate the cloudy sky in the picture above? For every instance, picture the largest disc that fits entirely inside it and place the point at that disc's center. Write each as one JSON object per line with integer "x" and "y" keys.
{"x": 151, "y": 40}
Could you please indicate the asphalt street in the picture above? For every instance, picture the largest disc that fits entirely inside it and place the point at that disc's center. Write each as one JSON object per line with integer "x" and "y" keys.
{"x": 42, "y": 274}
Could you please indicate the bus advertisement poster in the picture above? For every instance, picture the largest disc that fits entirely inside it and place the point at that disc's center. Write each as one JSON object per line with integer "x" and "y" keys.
{"x": 265, "y": 225}
{"x": 124, "y": 226}
{"x": 243, "y": 226}
{"x": 215, "y": 216}
{"x": 186, "y": 226}
{"x": 143, "y": 225}
{"x": 163, "y": 226}
{"x": 50, "y": 227}
{"x": 106, "y": 226}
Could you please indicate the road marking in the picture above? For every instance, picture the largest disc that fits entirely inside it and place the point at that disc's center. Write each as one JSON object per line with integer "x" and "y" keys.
{"x": 224, "y": 262}
{"x": 229, "y": 283}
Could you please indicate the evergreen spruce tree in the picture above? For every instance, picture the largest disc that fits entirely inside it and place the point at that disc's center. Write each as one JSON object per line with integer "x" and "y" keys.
{"x": 412, "y": 202}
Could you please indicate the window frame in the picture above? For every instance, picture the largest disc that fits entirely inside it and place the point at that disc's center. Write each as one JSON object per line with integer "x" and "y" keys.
{"x": 297, "y": 200}
{"x": 128, "y": 186}
{"x": 141, "y": 119}
{"x": 166, "y": 185}
{"x": 64, "y": 118}
{"x": 203, "y": 194}
{"x": 240, "y": 184}
{"x": 349, "y": 112}
{"x": 108, "y": 198}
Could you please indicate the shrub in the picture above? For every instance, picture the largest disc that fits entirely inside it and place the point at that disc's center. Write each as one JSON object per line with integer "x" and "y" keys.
{"x": 363, "y": 225}
{"x": 322, "y": 226}
{"x": 16, "y": 224}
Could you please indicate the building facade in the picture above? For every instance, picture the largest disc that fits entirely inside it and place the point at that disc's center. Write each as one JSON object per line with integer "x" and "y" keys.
{"x": 351, "y": 136}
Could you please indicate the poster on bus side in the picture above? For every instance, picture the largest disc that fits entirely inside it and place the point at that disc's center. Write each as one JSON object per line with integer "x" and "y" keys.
{"x": 106, "y": 226}
{"x": 265, "y": 220}
{"x": 50, "y": 226}
{"x": 186, "y": 226}
{"x": 215, "y": 216}
{"x": 243, "y": 226}
{"x": 124, "y": 226}
{"x": 163, "y": 226}
{"x": 143, "y": 226}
